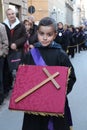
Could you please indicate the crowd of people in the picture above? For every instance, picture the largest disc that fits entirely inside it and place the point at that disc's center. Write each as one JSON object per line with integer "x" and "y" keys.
{"x": 17, "y": 38}
{"x": 72, "y": 39}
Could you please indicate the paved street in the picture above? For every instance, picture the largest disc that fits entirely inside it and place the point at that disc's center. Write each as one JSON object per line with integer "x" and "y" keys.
{"x": 78, "y": 97}
{"x": 10, "y": 120}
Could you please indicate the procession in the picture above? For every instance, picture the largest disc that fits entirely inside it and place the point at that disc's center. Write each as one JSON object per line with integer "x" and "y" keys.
{"x": 43, "y": 68}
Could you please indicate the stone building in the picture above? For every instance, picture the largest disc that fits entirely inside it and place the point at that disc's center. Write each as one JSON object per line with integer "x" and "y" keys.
{"x": 60, "y": 10}
{"x": 38, "y": 8}
{"x": 69, "y": 11}
{"x": 20, "y": 6}
{"x": 79, "y": 13}
{"x": 83, "y": 11}
{"x": 57, "y": 10}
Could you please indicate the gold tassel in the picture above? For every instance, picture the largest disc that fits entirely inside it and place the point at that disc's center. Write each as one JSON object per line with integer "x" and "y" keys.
{"x": 67, "y": 51}
{"x": 71, "y": 128}
{"x": 44, "y": 114}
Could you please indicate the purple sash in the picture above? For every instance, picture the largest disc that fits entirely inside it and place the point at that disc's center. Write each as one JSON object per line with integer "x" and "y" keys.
{"x": 39, "y": 61}
{"x": 37, "y": 57}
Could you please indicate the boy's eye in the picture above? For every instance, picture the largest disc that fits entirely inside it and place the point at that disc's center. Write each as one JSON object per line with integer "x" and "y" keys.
{"x": 48, "y": 34}
{"x": 41, "y": 33}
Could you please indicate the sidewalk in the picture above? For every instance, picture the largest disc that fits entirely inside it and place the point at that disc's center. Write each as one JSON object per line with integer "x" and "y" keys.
{"x": 10, "y": 120}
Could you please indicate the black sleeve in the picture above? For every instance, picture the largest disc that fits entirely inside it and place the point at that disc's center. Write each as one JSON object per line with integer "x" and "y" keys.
{"x": 20, "y": 42}
{"x": 27, "y": 59}
{"x": 72, "y": 78}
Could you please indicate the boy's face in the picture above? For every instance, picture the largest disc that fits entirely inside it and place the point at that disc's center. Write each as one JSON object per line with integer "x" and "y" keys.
{"x": 46, "y": 35}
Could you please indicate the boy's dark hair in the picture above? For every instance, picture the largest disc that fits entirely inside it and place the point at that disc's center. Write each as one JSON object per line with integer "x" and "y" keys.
{"x": 47, "y": 21}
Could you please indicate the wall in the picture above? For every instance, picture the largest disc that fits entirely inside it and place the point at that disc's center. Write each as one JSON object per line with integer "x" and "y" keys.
{"x": 41, "y": 8}
{"x": 58, "y": 7}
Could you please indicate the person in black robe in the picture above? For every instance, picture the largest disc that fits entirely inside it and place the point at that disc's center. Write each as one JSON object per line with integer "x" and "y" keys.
{"x": 63, "y": 36}
{"x": 53, "y": 55}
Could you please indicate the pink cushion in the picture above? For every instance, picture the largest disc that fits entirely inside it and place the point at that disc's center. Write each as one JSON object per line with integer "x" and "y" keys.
{"x": 47, "y": 99}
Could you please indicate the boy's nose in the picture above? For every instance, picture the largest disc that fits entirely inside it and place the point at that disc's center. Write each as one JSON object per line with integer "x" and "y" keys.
{"x": 45, "y": 37}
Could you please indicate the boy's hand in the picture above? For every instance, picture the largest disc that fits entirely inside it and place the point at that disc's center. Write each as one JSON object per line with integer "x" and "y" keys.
{"x": 31, "y": 46}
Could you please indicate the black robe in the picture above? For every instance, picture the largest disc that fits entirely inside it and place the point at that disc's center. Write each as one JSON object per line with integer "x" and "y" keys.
{"x": 53, "y": 55}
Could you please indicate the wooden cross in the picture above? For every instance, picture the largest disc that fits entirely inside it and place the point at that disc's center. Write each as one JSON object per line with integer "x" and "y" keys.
{"x": 50, "y": 77}
{"x": 52, "y": 80}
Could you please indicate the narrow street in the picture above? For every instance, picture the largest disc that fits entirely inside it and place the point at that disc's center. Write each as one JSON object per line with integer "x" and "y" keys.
{"x": 78, "y": 96}
{"x": 11, "y": 120}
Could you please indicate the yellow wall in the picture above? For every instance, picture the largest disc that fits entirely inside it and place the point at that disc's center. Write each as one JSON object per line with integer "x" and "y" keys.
{"x": 41, "y": 7}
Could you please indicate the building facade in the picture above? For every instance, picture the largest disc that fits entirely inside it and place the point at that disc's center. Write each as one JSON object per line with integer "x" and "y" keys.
{"x": 69, "y": 11}
{"x": 79, "y": 13}
{"x": 60, "y": 10}
{"x": 20, "y": 6}
{"x": 83, "y": 15}
{"x": 38, "y": 8}
{"x": 57, "y": 10}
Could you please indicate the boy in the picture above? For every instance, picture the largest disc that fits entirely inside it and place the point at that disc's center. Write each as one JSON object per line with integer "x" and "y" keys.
{"x": 53, "y": 55}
